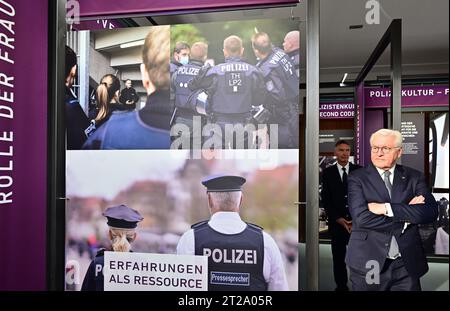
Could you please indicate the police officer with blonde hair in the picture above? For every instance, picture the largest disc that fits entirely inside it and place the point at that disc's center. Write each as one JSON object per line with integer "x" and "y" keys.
{"x": 241, "y": 256}
{"x": 122, "y": 222}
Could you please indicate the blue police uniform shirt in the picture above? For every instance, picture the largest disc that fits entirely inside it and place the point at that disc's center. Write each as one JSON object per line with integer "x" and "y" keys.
{"x": 295, "y": 60}
{"x": 180, "y": 81}
{"x": 173, "y": 66}
{"x": 236, "y": 86}
{"x": 144, "y": 129}
{"x": 76, "y": 121}
{"x": 279, "y": 75}
{"x": 93, "y": 281}
{"x": 282, "y": 85}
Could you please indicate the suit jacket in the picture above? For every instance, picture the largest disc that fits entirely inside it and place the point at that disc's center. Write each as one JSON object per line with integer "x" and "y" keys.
{"x": 334, "y": 193}
{"x": 371, "y": 234}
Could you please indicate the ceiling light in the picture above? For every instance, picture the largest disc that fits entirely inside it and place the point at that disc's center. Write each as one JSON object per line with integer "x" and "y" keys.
{"x": 343, "y": 79}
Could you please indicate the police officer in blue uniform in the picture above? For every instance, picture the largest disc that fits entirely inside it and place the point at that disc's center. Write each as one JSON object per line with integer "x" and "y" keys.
{"x": 180, "y": 56}
{"x": 283, "y": 89}
{"x": 233, "y": 88}
{"x": 76, "y": 120}
{"x": 122, "y": 222}
{"x": 291, "y": 46}
{"x": 241, "y": 256}
{"x": 185, "y": 103}
{"x": 147, "y": 128}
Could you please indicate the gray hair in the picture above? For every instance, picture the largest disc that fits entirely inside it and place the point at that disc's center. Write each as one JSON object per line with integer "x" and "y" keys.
{"x": 226, "y": 201}
{"x": 387, "y": 132}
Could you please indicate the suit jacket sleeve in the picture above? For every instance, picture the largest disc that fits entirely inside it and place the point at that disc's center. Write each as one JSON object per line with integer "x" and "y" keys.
{"x": 417, "y": 213}
{"x": 359, "y": 209}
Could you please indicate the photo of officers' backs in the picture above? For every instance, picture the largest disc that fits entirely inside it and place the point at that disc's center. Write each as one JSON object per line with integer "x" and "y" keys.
{"x": 235, "y": 104}
{"x": 240, "y": 256}
{"x": 196, "y": 90}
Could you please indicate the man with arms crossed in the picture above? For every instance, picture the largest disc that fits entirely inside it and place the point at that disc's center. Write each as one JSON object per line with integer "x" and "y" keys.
{"x": 387, "y": 202}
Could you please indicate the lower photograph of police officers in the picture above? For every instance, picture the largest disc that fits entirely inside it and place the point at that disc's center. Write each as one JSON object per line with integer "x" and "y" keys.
{"x": 239, "y": 213}
{"x": 240, "y": 91}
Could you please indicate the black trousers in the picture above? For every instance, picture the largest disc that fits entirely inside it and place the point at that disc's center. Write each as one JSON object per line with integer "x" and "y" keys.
{"x": 339, "y": 241}
{"x": 392, "y": 277}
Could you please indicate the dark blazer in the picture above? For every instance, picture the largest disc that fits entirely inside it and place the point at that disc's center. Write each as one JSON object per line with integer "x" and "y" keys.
{"x": 334, "y": 194}
{"x": 371, "y": 234}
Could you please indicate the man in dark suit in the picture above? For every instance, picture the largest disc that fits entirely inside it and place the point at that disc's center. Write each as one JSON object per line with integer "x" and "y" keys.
{"x": 387, "y": 202}
{"x": 334, "y": 198}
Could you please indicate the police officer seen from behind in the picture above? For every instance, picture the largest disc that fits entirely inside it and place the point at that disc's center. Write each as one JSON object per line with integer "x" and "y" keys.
{"x": 334, "y": 198}
{"x": 184, "y": 101}
{"x": 291, "y": 46}
{"x": 76, "y": 120}
{"x": 122, "y": 222}
{"x": 241, "y": 256}
{"x": 283, "y": 89}
{"x": 233, "y": 88}
{"x": 129, "y": 96}
{"x": 147, "y": 128}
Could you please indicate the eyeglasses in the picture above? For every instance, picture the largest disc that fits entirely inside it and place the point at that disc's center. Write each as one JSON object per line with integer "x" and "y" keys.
{"x": 384, "y": 150}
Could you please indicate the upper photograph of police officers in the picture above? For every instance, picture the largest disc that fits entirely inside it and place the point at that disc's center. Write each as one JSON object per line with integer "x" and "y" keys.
{"x": 226, "y": 85}
{"x": 241, "y": 256}
{"x": 282, "y": 86}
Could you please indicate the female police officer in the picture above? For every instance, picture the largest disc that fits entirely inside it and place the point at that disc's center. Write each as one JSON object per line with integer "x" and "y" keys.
{"x": 122, "y": 222}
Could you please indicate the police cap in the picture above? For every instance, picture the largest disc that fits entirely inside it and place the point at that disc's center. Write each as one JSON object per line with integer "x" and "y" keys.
{"x": 122, "y": 216}
{"x": 223, "y": 183}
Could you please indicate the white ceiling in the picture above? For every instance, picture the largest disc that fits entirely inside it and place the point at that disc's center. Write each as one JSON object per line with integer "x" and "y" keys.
{"x": 425, "y": 34}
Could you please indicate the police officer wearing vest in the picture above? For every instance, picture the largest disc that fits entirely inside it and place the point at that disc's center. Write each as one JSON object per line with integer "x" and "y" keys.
{"x": 233, "y": 88}
{"x": 291, "y": 46}
{"x": 122, "y": 222}
{"x": 282, "y": 86}
{"x": 184, "y": 101}
{"x": 241, "y": 256}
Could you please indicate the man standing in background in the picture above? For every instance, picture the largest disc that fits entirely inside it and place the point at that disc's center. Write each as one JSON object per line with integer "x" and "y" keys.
{"x": 334, "y": 198}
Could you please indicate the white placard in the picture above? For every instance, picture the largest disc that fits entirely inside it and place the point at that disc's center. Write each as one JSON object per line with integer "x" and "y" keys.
{"x": 155, "y": 272}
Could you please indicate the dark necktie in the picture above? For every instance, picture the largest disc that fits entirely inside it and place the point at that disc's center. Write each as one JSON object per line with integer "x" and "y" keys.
{"x": 344, "y": 177}
{"x": 393, "y": 248}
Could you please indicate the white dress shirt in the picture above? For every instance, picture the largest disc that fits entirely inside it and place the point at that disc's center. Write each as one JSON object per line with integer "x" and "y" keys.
{"x": 231, "y": 223}
{"x": 389, "y": 212}
{"x": 341, "y": 172}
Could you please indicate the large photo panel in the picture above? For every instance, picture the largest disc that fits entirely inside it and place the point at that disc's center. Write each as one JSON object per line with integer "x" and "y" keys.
{"x": 171, "y": 190}
{"x": 220, "y": 85}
